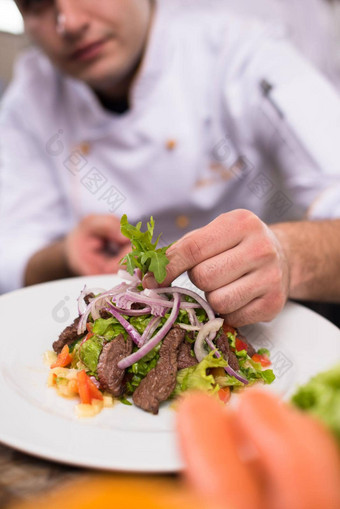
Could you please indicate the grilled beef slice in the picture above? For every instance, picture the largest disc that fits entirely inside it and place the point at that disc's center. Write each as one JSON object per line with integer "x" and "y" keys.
{"x": 109, "y": 374}
{"x": 185, "y": 359}
{"x": 88, "y": 298}
{"x": 160, "y": 382}
{"x": 67, "y": 337}
{"x": 223, "y": 346}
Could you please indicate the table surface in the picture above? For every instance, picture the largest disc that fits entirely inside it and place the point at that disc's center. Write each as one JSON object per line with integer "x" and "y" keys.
{"x": 23, "y": 477}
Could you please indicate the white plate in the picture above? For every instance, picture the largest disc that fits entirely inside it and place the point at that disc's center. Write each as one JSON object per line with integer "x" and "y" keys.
{"x": 36, "y": 420}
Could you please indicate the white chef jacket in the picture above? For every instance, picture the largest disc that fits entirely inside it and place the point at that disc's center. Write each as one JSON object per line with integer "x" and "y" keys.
{"x": 200, "y": 138}
{"x": 313, "y": 26}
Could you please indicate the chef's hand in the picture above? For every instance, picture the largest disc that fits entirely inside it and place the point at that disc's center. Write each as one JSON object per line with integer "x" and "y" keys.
{"x": 96, "y": 246}
{"x": 238, "y": 262}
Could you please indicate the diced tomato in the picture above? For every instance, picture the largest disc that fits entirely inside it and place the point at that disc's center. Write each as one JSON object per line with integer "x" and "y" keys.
{"x": 89, "y": 334}
{"x": 94, "y": 391}
{"x": 224, "y": 394}
{"x": 63, "y": 359}
{"x": 261, "y": 359}
{"x": 240, "y": 345}
{"x": 87, "y": 389}
{"x": 83, "y": 387}
{"x": 228, "y": 328}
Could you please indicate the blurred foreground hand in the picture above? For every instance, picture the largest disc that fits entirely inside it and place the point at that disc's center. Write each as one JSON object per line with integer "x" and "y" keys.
{"x": 264, "y": 454}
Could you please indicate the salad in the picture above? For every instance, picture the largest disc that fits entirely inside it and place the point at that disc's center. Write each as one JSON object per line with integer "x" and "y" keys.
{"x": 144, "y": 347}
{"x": 321, "y": 398}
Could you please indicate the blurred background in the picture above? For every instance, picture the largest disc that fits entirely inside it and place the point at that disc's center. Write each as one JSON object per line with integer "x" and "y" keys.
{"x": 313, "y": 25}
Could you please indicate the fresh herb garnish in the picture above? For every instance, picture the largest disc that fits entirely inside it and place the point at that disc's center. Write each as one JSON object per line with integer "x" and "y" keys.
{"x": 144, "y": 255}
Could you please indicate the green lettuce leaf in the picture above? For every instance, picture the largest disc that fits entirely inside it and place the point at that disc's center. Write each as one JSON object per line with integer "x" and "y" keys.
{"x": 140, "y": 369}
{"x": 196, "y": 377}
{"x": 109, "y": 328}
{"x": 254, "y": 372}
{"x": 89, "y": 353}
{"x": 140, "y": 323}
{"x": 321, "y": 397}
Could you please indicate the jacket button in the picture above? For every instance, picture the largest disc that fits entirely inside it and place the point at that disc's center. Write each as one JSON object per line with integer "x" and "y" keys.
{"x": 182, "y": 221}
{"x": 85, "y": 148}
{"x": 171, "y": 144}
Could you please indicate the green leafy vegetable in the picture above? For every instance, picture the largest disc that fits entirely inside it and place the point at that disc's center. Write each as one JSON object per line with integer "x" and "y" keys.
{"x": 140, "y": 323}
{"x": 254, "y": 372}
{"x": 321, "y": 397}
{"x": 89, "y": 353}
{"x": 140, "y": 369}
{"x": 109, "y": 328}
{"x": 263, "y": 351}
{"x": 196, "y": 377}
{"x": 125, "y": 401}
{"x": 144, "y": 255}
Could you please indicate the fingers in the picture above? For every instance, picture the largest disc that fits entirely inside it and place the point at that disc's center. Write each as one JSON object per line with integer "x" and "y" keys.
{"x": 222, "y": 234}
{"x": 208, "y": 443}
{"x": 220, "y": 270}
{"x": 254, "y": 312}
{"x": 247, "y": 300}
{"x": 298, "y": 456}
{"x": 297, "y": 460}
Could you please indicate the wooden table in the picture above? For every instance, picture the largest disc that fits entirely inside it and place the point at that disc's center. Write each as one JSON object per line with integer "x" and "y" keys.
{"x": 23, "y": 477}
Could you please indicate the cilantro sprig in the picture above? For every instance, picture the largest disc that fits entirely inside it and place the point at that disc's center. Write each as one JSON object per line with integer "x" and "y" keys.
{"x": 144, "y": 255}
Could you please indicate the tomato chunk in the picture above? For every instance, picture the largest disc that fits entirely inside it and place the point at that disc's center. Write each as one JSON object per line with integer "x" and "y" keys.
{"x": 240, "y": 345}
{"x": 63, "y": 359}
{"x": 224, "y": 394}
{"x": 83, "y": 387}
{"x": 261, "y": 359}
{"x": 228, "y": 328}
{"x": 94, "y": 391}
{"x": 87, "y": 389}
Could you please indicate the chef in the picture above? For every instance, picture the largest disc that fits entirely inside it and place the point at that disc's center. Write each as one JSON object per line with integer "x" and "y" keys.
{"x": 178, "y": 109}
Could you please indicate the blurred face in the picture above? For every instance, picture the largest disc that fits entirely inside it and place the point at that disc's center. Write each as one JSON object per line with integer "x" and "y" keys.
{"x": 98, "y": 41}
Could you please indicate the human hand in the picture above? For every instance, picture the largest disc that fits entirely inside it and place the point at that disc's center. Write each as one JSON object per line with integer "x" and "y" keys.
{"x": 238, "y": 262}
{"x": 264, "y": 454}
{"x": 96, "y": 246}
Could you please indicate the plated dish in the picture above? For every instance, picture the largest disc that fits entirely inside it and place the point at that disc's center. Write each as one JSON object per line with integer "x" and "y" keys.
{"x": 36, "y": 420}
{"x": 147, "y": 347}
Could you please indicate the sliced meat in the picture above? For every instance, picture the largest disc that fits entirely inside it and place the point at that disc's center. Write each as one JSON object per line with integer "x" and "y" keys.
{"x": 185, "y": 359}
{"x": 222, "y": 344}
{"x": 89, "y": 297}
{"x": 250, "y": 349}
{"x": 160, "y": 382}
{"x": 67, "y": 337}
{"x": 104, "y": 314}
{"x": 109, "y": 374}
